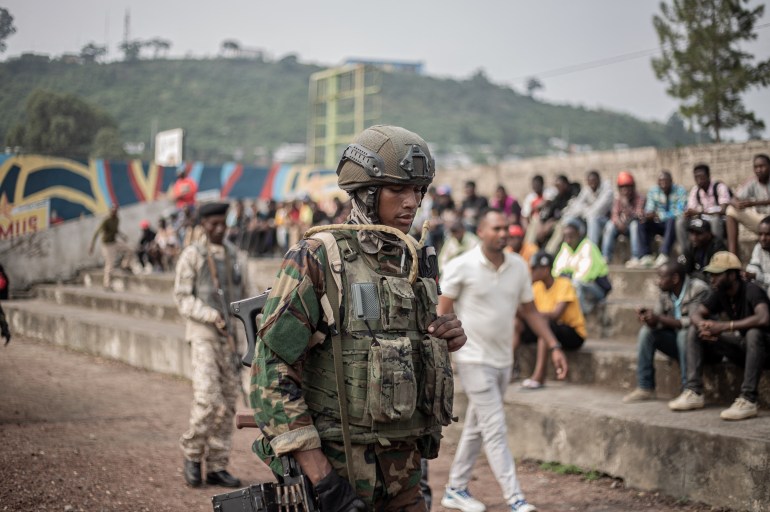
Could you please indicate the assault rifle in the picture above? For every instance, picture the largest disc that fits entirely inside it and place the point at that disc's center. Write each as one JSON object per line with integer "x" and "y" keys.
{"x": 246, "y": 311}
{"x": 294, "y": 493}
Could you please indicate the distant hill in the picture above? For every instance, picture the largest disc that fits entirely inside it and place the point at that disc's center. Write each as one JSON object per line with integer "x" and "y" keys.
{"x": 231, "y": 105}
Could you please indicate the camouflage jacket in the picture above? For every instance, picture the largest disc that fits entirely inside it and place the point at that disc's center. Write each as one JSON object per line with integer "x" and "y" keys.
{"x": 290, "y": 327}
{"x": 188, "y": 268}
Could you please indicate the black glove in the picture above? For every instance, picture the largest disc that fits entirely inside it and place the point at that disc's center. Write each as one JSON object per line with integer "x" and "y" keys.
{"x": 7, "y": 335}
{"x": 335, "y": 494}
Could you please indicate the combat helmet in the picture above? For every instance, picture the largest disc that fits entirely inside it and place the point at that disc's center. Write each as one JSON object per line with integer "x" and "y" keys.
{"x": 383, "y": 155}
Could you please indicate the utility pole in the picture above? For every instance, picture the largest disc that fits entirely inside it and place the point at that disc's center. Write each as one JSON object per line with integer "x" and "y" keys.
{"x": 127, "y": 26}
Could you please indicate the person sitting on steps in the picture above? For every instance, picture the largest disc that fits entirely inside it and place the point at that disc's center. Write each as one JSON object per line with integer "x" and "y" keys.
{"x": 556, "y": 300}
{"x": 743, "y": 337}
{"x": 664, "y": 328}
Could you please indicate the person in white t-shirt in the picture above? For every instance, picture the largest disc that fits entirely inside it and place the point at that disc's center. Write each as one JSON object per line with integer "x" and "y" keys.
{"x": 485, "y": 286}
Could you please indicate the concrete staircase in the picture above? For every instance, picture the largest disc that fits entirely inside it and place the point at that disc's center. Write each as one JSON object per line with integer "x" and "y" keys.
{"x": 138, "y": 324}
{"x": 689, "y": 455}
{"x": 693, "y": 455}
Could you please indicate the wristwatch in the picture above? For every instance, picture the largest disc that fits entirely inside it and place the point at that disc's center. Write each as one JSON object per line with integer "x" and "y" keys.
{"x": 555, "y": 347}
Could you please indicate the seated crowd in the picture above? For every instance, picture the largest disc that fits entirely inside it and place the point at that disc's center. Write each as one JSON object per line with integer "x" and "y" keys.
{"x": 711, "y": 308}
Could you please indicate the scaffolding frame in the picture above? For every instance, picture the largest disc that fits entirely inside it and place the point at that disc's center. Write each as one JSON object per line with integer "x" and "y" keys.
{"x": 342, "y": 102}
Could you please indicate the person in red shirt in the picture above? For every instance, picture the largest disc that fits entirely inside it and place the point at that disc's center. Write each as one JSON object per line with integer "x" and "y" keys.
{"x": 184, "y": 189}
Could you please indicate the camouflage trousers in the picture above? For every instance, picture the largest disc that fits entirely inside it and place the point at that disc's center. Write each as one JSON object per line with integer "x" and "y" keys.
{"x": 387, "y": 478}
{"x": 215, "y": 392}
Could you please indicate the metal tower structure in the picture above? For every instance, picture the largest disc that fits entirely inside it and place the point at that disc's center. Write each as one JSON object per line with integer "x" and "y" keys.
{"x": 342, "y": 102}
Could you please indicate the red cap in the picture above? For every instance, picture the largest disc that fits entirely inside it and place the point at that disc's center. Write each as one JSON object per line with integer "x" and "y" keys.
{"x": 625, "y": 179}
{"x": 144, "y": 224}
{"x": 515, "y": 230}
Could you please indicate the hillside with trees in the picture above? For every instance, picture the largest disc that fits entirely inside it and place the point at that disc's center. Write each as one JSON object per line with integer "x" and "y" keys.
{"x": 233, "y": 107}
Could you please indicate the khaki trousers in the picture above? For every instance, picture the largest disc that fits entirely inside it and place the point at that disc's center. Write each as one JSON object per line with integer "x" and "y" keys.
{"x": 749, "y": 217}
{"x": 110, "y": 253}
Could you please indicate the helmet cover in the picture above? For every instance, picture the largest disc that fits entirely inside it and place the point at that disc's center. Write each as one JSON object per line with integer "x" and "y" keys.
{"x": 382, "y": 155}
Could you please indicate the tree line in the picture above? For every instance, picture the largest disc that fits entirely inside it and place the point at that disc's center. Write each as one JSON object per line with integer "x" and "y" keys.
{"x": 702, "y": 61}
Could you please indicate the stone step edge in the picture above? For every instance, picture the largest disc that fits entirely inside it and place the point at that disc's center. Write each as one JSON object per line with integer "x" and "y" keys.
{"x": 648, "y": 446}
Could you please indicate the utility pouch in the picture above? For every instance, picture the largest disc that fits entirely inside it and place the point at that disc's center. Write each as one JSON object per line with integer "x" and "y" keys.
{"x": 429, "y": 445}
{"x": 427, "y": 299}
{"x": 392, "y": 392}
{"x": 437, "y": 398}
{"x": 397, "y": 299}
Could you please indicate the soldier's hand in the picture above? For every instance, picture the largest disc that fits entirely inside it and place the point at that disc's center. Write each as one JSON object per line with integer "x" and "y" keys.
{"x": 7, "y": 335}
{"x": 221, "y": 325}
{"x": 448, "y": 327}
{"x": 335, "y": 494}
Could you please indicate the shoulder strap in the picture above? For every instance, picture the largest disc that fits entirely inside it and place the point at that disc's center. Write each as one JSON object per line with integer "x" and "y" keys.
{"x": 330, "y": 303}
{"x": 334, "y": 271}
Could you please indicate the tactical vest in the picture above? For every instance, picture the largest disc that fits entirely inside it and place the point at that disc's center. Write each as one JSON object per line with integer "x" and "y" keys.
{"x": 229, "y": 278}
{"x": 399, "y": 382}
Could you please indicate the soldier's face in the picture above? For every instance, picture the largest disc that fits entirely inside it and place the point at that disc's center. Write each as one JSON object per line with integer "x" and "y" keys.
{"x": 215, "y": 227}
{"x": 397, "y": 205}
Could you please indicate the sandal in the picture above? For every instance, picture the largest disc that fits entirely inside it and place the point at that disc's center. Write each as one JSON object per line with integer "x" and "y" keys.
{"x": 531, "y": 384}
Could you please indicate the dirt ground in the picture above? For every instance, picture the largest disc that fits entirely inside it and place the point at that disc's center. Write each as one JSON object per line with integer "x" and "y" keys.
{"x": 80, "y": 433}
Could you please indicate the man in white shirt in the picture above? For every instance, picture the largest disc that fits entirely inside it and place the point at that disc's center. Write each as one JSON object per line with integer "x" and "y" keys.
{"x": 485, "y": 286}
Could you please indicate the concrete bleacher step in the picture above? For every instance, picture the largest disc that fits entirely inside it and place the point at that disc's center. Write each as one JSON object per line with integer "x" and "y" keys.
{"x": 123, "y": 281}
{"x": 633, "y": 284}
{"x": 157, "y": 306}
{"x": 260, "y": 274}
{"x": 142, "y": 342}
{"x": 694, "y": 454}
{"x": 611, "y": 364}
{"x": 616, "y": 319}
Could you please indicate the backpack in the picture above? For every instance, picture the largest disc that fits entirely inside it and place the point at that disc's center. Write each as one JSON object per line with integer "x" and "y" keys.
{"x": 714, "y": 192}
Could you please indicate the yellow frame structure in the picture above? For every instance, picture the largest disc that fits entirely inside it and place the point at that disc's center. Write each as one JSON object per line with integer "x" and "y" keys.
{"x": 342, "y": 102}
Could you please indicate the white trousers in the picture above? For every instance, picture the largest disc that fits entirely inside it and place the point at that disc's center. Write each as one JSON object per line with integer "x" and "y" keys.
{"x": 484, "y": 426}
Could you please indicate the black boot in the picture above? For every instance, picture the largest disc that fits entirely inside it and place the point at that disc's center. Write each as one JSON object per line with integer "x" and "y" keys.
{"x": 222, "y": 478}
{"x": 192, "y": 473}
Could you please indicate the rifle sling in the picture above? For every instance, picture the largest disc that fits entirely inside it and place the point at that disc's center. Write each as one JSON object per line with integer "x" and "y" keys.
{"x": 220, "y": 292}
{"x": 339, "y": 370}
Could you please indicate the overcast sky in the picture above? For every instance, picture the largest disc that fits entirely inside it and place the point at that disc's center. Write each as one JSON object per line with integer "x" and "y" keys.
{"x": 509, "y": 39}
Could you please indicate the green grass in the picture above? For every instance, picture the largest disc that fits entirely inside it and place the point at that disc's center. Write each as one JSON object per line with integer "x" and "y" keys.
{"x": 571, "y": 469}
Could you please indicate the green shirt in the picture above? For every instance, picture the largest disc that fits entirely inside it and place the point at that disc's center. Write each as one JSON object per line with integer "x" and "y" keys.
{"x": 109, "y": 230}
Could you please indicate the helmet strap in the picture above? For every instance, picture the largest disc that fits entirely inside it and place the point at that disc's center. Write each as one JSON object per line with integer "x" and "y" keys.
{"x": 372, "y": 202}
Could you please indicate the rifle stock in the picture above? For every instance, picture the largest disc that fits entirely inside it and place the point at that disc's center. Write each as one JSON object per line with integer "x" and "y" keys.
{"x": 245, "y": 420}
{"x": 246, "y": 311}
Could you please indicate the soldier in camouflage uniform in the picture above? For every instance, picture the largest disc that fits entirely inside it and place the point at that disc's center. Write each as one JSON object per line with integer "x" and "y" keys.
{"x": 386, "y": 173}
{"x": 204, "y": 268}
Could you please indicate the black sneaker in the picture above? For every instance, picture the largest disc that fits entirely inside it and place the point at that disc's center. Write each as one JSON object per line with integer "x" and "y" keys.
{"x": 222, "y": 478}
{"x": 192, "y": 473}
